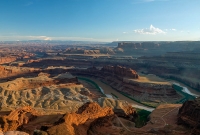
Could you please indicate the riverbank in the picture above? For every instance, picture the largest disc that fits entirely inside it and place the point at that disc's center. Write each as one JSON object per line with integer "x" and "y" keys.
{"x": 108, "y": 90}
{"x": 187, "y": 89}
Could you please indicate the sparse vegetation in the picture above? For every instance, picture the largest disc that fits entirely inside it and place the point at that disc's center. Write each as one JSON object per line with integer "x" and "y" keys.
{"x": 142, "y": 118}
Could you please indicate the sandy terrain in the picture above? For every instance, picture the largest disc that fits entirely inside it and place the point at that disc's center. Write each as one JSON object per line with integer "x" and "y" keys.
{"x": 151, "y": 78}
{"x": 40, "y": 92}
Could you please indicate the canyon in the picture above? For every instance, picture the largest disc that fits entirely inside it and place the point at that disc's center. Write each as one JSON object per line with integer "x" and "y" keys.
{"x": 130, "y": 84}
{"x": 52, "y": 89}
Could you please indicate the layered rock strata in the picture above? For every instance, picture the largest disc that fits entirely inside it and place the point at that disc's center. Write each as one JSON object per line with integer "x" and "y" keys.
{"x": 7, "y": 59}
{"x": 62, "y": 92}
{"x": 17, "y": 118}
{"x": 121, "y": 71}
{"x": 189, "y": 115}
{"x": 79, "y": 123}
{"x": 154, "y": 93}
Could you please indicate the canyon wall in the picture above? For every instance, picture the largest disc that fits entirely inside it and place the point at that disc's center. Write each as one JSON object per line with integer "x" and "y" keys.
{"x": 189, "y": 115}
{"x": 130, "y": 87}
{"x": 7, "y": 59}
{"x": 121, "y": 71}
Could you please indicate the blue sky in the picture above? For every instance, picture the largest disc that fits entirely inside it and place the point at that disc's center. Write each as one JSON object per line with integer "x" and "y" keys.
{"x": 100, "y": 20}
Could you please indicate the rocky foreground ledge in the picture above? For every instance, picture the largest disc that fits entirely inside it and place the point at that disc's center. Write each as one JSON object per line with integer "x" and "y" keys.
{"x": 82, "y": 122}
{"x": 91, "y": 119}
{"x": 189, "y": 115}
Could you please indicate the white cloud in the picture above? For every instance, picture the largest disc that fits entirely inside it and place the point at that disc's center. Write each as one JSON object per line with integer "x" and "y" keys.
{"x": 37, "y": 37}
{"x": 152, "y": 30}
{"x": 124, "y": 32}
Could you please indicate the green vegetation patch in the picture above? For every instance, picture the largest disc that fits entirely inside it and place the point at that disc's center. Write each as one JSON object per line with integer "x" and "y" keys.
{"x": 142, "y": 118}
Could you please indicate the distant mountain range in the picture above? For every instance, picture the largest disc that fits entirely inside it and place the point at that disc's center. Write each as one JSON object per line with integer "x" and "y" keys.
{"x": 57, "y": 42}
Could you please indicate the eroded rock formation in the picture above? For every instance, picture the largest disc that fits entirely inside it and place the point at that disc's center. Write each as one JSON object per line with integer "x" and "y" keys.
{"x": 12, "y": 71}
{"x": 78, "y": 123}
{"x": 61, "y": 92}
{"x": 17, "y": 118}
{"x": 121, "y": 71}
{"x": 189, "y": 115}
{"x": 121, "y": 108}
{"x": 154, "y": 93}
{"x": 7, "y": 59}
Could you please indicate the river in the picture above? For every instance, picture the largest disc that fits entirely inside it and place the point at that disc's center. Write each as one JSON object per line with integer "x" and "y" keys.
{"x": 109, "y": 91}
{"x": 186, "y": 89}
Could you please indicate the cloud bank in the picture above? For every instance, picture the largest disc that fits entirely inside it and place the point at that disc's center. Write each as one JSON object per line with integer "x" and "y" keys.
{"x": 151, "y": 30}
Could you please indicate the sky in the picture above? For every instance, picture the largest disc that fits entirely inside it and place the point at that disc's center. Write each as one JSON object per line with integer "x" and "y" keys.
{"x": 100, "y": 20}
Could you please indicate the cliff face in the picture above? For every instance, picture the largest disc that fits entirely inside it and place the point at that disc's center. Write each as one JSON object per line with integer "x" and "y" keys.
{"x": 17, "y": 118}
{"x": 79, "y": 123}
{"x": 156, "y": 48}
{"x": 121, "y": 108}
{"x": 91, "y": 119}
{"x": 121, "y": 71}
{"x": 11, "y": 71}
{"x": 189, "y": 115}
{"x": 125, "y": 81}
{"x": 7, "y": 59}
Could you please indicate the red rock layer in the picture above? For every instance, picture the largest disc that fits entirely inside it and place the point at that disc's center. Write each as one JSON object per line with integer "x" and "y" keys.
{"x": 79, "y": 123}
{"x": 121, "y": 71}
{"x": 189, "y": 115}
{"x": 7, "y": 59}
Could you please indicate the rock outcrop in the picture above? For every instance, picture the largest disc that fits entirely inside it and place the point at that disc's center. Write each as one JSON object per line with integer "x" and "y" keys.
{"x": 7, "y": 59}
{"x": 13, "y": 71}
{"x": 156, "y": 48}
{"x": 121, "y": 108}
{"x": 13, "y": 133}
{"x": 78, "y": 123}
{"x": 17, "y": 118}
{"x": 121, "y": 71}
{"x": 61, "y": 92}
{"x": 130, "y": 85}
{"x": 189, "y": 115}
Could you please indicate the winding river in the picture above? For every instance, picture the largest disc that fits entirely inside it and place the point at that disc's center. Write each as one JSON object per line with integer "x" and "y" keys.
{"x": 110, "y": 91}
{"x": 186, "y": 89}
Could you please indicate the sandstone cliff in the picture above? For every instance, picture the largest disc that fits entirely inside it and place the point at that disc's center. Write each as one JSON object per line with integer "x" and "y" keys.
{"x": 13, "y": 71}
{"x": 78, "y": 123}
{"x": 121, "y": 71}
{"x": 7, "y": 59}
{"x": 121, "y": 108}
{"x": 17, "y": 118}
{"x": 129, "y": 84}
{"x": 189, "y": 115}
